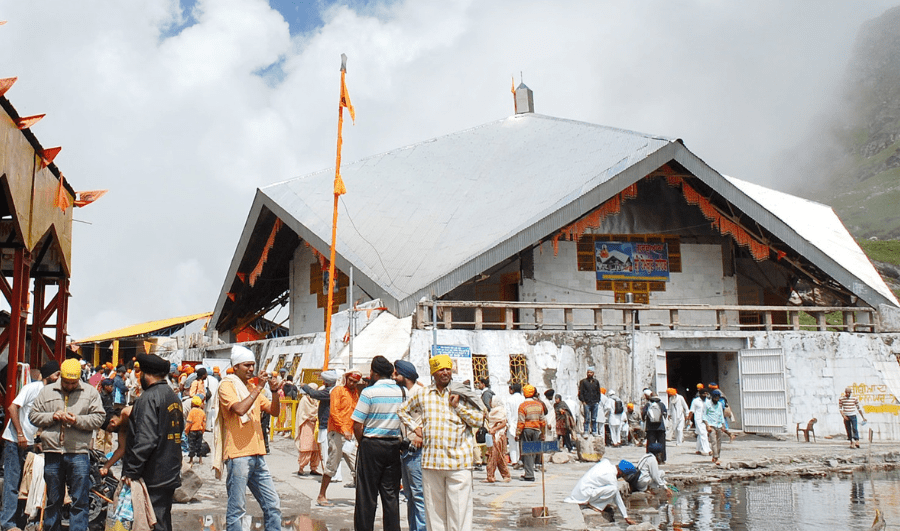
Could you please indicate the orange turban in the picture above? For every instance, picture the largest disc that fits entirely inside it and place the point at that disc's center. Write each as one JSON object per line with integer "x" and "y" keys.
{"x": 528, "y": 390}
{"x": 671, "y": 391}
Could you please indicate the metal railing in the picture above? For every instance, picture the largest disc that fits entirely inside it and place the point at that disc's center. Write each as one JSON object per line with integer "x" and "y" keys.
{"x": 481, "y": 315}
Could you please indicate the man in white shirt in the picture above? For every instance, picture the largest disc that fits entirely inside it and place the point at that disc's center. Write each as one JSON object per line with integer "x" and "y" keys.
{"x": 17, "y": 439}
{"x": 678, "y": 412}
{"x": 696, "y": 415}
{"x": 512, "y": 418}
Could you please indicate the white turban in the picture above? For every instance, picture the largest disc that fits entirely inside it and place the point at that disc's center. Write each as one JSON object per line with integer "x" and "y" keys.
{"x": 241, "y": 355}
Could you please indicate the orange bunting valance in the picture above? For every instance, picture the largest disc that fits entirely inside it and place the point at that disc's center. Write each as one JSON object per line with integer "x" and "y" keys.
{"x": 613, "y": 205}
{"x": 265, "y": 253}
{"x": 758, "y": 250}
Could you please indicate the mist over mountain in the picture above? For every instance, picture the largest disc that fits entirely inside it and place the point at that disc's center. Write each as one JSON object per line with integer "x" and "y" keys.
{"x": 851, "y": 159}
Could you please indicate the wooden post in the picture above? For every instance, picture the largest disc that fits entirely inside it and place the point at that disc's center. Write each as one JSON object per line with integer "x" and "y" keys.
{"x": 795, "y": 320}
{"x": 849, "y": 321}
{"x": 820, "y": 321}
{"x": 570, "y": 318}
{"x": 598, "y": 319}
{"x": 767, "y": 316}
{"x": 479, "y": 318}
{"x": 673, "y": 319}
{"x": 509, "y": 318}
{"x": 539, "y": 318}
{"x": 448, "y": 318}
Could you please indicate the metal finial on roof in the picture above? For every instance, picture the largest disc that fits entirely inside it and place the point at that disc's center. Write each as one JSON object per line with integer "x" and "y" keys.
{"x": 343, "y": 62}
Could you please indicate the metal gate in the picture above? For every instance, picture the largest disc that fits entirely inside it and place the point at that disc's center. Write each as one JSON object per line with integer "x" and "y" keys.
{"x": 662, "y": 378}
{"x": 763, "y": 391}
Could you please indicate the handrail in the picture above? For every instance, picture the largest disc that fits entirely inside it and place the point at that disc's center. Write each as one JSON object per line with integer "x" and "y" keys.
{"x": 532, "y": 316}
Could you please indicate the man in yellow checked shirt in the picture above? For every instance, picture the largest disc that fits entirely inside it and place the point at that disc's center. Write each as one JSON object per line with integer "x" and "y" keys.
{"x": 446, "y": 428}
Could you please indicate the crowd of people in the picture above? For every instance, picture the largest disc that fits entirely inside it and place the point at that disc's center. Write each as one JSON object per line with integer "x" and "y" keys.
{"x": 389, "y": 427}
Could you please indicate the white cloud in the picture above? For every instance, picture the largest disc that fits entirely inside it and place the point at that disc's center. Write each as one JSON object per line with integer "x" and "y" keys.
{"x": 182, "y": 131}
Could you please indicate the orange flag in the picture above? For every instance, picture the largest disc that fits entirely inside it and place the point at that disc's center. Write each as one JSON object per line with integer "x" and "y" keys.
{"x": 62, "y": 198}
{"x": 512, "y": 88}
{"x": 88, "y": 197}
{"x": 345, "y": 96}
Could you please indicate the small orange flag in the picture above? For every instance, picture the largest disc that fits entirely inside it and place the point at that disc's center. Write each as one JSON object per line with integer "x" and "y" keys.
{"x": 62, "y": 198}
{"x": 87, "y": 197}
{"x": 28, "y": 121}
{"x": 512, "y": 88}
{"x": 339, "y": 188}
{"x": 345, "y": 95}
{"x": 6, "y": 83}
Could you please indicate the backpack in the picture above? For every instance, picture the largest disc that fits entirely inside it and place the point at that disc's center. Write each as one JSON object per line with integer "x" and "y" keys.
{"x": 632, "y": 480}
{"x": 620, "y": 407}
{"x": 654, "y": 412}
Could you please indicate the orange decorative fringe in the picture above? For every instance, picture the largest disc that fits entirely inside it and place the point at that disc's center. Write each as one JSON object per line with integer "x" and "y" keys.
{"x": 254, "y": 275}
{"x": 758, "y": 250}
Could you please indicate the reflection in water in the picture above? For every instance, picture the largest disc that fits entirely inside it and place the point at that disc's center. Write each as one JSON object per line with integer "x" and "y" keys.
{"x": 764, "y": 505}
{"x": 216, "y": 522}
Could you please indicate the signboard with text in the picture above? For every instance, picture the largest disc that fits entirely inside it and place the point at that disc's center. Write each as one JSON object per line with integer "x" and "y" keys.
{"x": 632, "y": 261}
{"x": 462, "y": 360}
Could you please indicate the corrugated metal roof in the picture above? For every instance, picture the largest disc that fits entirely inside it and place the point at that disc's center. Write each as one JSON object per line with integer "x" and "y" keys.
{"x": 423, "y": 217}
{"x": 820, "y": 226}
{"x": 144, "y": 328}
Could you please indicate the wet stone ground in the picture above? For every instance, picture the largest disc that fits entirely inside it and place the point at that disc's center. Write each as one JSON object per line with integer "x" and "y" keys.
{"x": 752, "y": 479}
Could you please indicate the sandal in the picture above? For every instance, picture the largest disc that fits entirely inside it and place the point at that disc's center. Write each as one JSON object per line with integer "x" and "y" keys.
{"x": 325, "y": 503}
{"x": 488, "y": 481}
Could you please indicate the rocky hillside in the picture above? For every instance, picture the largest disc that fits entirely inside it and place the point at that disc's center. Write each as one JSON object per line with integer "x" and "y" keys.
{"x": 853, "y": 163}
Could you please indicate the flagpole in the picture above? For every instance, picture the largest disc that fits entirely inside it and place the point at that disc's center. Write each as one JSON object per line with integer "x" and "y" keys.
{"x": 339, "y": 189}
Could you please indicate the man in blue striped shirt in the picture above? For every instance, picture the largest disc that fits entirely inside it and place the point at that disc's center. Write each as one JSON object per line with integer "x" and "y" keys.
{"x": 377, "y": 428}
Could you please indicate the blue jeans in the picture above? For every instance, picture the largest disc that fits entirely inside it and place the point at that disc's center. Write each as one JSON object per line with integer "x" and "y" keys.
{"x": 72, "y": 471}
{"x": 412, "y": 488}
{"x": 253, "y": 473}
{"x": 850, "y": 426}
{"x": 13, "y": 459}
{"x": 591, "y": 412}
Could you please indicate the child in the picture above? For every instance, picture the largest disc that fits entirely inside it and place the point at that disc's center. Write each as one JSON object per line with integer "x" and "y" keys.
{"x": 195, "y": 426}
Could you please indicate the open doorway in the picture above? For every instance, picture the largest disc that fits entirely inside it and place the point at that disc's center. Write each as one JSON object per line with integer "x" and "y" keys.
{"x": 686, "y": 369}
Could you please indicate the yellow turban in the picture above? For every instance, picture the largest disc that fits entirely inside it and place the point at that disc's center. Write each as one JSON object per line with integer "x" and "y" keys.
{"x": 528, "y": 390}
{"x": 197, "y": 401}
{"x": 70, "y": 369}
{"x": 441, "y": 361}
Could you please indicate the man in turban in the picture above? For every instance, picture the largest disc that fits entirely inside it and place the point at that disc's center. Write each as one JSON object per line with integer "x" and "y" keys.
{"x": 69, "y": 411}
{"x": 377, "y": 428}
{"x": 598, "y": 488}
{"x": 340, "y": 431}
{"x": 153, "y": 446}
{"x": 446, "y": 428}
{"x": 530, "y": 426}
{"x": 407, "y": 377}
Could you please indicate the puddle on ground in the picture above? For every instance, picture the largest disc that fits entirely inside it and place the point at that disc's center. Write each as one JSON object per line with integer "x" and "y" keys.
{"x": 846, "y": 503}
{"x": 803, "y": 504}
{"x": 216, "y": 522}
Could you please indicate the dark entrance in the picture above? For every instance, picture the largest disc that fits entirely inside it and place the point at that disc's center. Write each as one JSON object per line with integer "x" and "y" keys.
{"x": 686, "y": 369}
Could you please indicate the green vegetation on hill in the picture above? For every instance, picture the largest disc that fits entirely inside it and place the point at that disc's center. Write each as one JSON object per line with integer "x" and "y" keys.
{"x": 882, "y": 251}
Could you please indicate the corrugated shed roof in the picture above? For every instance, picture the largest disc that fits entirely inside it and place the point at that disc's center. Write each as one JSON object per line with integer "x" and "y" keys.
{"x": 820, "y": 226}
{"x": 145, "y": 328}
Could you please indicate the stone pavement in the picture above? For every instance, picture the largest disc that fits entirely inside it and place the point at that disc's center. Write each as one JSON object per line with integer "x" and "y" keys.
{"x": 508, "y": 505}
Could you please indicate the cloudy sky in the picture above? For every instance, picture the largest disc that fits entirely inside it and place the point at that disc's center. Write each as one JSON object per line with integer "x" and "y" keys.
{"x": 183, "y": 108}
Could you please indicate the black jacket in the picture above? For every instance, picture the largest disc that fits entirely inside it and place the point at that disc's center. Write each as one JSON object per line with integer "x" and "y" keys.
{"x": 589, "y": 391}
{"x": 324, "y": 398}
{"x": 153, "y": 447}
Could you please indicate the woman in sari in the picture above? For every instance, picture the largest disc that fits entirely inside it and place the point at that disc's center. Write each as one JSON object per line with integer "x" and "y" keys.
{"x": 307, "y": 416}
{"x": 496, "y": 425}
{"x": 565, "y": 422}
